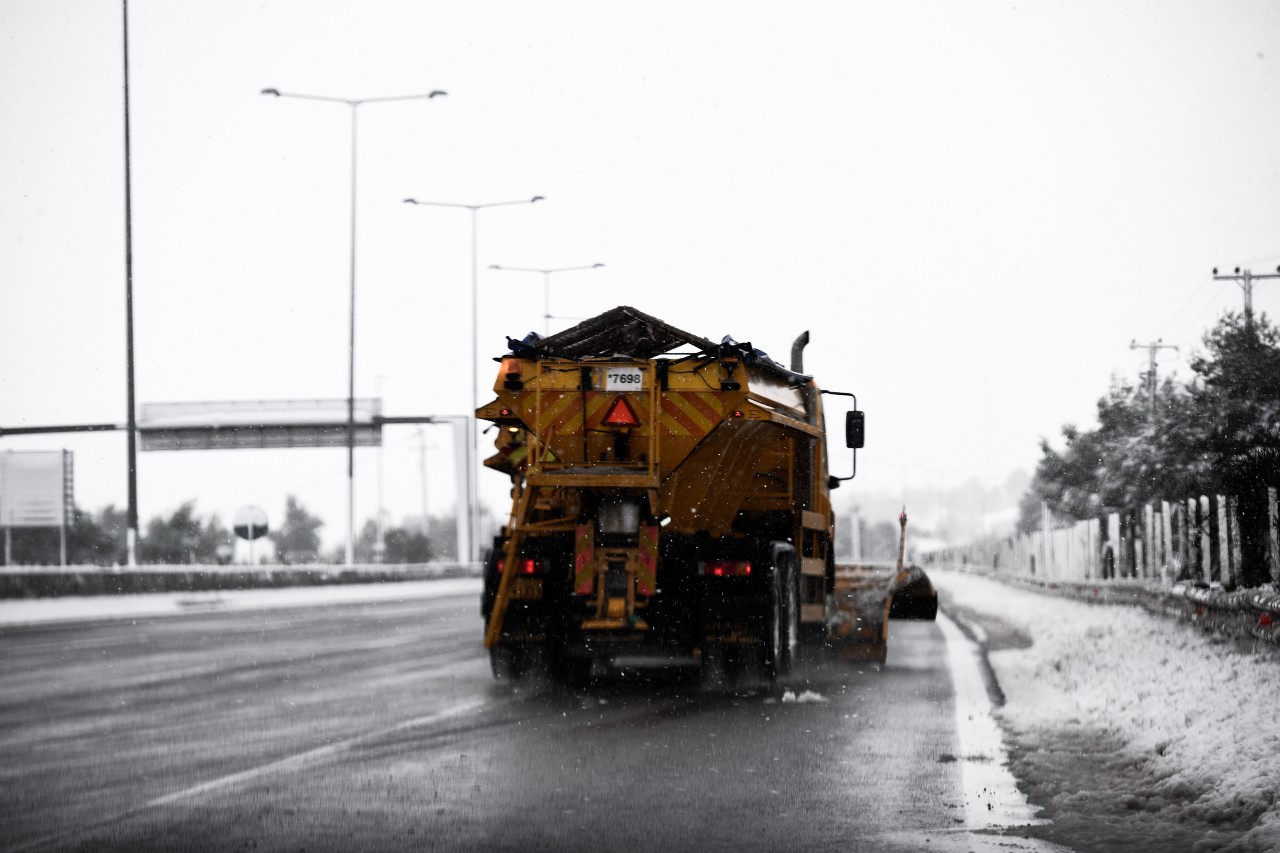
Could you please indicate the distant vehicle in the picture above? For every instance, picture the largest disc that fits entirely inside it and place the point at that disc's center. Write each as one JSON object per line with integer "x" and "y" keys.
{"x": 671, "y": 499}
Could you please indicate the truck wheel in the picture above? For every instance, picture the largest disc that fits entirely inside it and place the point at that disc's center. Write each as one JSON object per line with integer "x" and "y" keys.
{"x": 782, "y": 625}
{"x": 492, "y": 576}
{"x": 792, "y": 645}
{"x": 715, "y": 672}
{"x": 507, "y": 663}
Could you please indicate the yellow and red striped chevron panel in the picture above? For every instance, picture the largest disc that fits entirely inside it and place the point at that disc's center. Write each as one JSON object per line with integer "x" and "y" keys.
{"x": 692, "y": 413}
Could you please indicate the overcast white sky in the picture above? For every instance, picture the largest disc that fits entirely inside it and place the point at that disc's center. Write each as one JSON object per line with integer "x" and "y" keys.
{"x": 973, "y": 207}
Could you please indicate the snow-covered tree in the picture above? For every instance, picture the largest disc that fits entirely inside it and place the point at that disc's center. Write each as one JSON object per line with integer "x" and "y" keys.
{"x": 182, "y": 538}
{"x": 1217, "y": 434}
{"x": 298, "y": 539}
{"x": 1237, "y": 420}
{"x": 403, "y": 544}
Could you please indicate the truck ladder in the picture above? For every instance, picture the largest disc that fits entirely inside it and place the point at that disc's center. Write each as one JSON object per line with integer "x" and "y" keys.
{"x": 498, "y": 615}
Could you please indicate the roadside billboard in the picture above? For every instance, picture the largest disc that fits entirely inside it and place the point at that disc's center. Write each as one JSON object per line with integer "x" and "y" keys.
{"x": 36, "y": 488}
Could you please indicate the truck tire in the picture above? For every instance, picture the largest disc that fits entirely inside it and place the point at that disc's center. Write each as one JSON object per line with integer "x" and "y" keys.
{"x": 507, "y": 662}
{"x": 492, "y": 576}
{"x": 711, "y": 670}
{"x": 782, "y": 617}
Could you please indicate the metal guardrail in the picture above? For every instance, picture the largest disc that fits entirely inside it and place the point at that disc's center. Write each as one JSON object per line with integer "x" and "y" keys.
{"x": 1244, "y": 613}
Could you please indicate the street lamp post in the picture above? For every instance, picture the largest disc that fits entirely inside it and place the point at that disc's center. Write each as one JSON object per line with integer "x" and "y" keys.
{"x": 546, "y": 287}
{"x": 131, "y": 515}
{"x": 354, "y": 104}
{"x": 472, "y": 505}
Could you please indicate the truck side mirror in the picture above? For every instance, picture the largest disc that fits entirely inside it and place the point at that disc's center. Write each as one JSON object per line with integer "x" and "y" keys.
{"x": 855, "y": 427}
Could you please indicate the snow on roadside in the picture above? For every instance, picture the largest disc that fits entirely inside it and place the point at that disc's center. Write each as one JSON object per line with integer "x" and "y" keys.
{"x": 30, "y": 611}
{"x": 1204, "y": 713}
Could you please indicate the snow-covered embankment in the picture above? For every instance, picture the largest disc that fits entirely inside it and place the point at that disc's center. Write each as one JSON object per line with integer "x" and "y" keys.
{"x": 1198, "y": 712}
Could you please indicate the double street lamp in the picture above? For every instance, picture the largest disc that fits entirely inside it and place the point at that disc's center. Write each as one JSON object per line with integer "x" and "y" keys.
{"x": 354, "y": 104}
{"x": 546, "y": 287}
{"x": 472, "y": 505}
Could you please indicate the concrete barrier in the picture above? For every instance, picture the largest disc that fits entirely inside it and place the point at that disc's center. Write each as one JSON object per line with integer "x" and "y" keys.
{"x": 50, "y": 581}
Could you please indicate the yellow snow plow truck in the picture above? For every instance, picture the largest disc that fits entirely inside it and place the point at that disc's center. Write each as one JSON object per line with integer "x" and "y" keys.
{"x": 671, "y": 501}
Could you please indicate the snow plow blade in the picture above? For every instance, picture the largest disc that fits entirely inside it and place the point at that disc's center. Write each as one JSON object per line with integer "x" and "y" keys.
{"x": 913, "y": 596}
{"x": 866, "y": 597}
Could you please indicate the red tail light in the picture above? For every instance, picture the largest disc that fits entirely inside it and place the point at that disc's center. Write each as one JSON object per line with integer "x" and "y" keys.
{"x": 529, "y": 566}
{"x": 726, "y": 568}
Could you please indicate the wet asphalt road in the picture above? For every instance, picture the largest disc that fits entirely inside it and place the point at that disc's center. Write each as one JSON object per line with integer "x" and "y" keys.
{"x": 378, "y": 727}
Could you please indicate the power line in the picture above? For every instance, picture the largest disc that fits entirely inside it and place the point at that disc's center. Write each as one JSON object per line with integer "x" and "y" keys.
{"x": 1197, "y": 316}
{"x": 1195, "y": 294}
{"x": 1262, "y": 259}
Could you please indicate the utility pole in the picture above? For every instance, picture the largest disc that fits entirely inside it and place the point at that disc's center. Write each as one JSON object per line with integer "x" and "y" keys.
{"x": 1245, "y": 278}
{"x": 1152, "y": 349}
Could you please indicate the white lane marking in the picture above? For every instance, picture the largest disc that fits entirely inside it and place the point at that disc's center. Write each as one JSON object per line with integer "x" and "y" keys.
{"x": 991, "y": 795}
{"x": 302, "y": 758}
{"x": 92, "y": 643}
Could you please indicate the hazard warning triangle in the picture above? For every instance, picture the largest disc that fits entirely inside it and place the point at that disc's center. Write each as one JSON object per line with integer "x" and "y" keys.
{"x": 621, "y": 414}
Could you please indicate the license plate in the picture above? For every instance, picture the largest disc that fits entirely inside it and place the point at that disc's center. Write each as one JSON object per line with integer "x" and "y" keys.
{"x": 527, "y": 588}
{"x": 623, "y": 379}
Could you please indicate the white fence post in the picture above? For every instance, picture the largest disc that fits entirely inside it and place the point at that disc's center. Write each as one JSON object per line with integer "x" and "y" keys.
{"x": 1273, "y": 533}
{"x": 1113, "y": 544}
{"x": 1233, "y": 533}
{"x": 1081, "y": 532}
{"x": 1166, "y": 541}
{"x": 1045, "y": 527}
{"x": 1149, "y": 539}
{"x": 1094, "y": 545}
{"x": 1202, "y": 536}
{"x": 1224, "y": 543}
{"x": 1189, "y": 565}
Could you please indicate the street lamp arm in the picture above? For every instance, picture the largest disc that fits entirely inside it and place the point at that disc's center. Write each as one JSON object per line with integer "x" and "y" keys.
{"x": 544, "y": 271}
{"x": 433, "y": 94}
{"x": 276, "y": 93}
{"x": 439, "y": 203}
{"x": 475, "y": 206}
{"x": 505, "y": 203}
{"x": 353, "y": 102}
